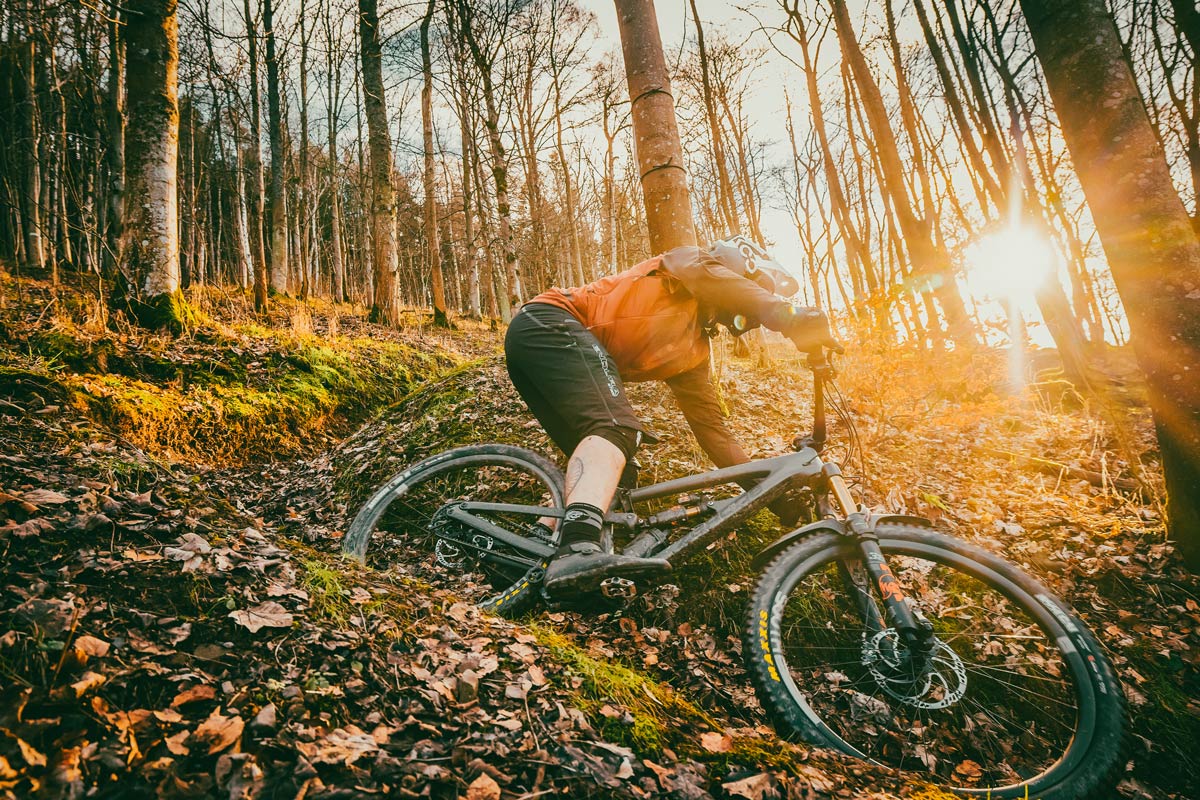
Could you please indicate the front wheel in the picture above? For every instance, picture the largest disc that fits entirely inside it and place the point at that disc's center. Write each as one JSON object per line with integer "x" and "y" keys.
{"x": 1013, "y": 699}
{"x": 405, "y": 522}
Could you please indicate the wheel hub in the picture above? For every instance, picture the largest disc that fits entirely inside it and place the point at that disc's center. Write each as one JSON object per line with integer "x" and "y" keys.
{"x": 937, "y": 679}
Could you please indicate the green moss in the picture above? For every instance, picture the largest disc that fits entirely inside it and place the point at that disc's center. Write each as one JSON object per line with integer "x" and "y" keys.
{"x": 169, "y": 312}
{"x": 659, "y": 715}
{"x": 243, "y": 402}
{"x": 327, "y": 596}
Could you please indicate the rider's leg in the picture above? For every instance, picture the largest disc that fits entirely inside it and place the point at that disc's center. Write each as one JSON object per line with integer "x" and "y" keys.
{"x": 592, "y": 475}
{"x": 569, "y": 383}
{"x": 593, "y": 472}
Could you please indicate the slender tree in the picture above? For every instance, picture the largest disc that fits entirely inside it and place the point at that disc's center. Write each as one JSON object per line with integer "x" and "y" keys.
{"x": 275, "y": 133}
{"x": 436, "y": 281}
{"x": 484, "y": 52}
{"x": 929, "y": 261}
{"x": 255, "y": 195}
{"x": 386, "y": 302}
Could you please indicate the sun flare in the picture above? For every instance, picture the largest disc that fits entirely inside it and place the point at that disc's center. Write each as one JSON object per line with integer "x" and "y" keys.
{"x": 1010, "y": 263}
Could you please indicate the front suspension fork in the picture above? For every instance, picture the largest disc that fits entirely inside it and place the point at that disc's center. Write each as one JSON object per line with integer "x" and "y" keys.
{"x": 916, "y": 633}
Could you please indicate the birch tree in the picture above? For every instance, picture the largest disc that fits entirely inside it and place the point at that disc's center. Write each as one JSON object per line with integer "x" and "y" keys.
{"x": 150, "y": 246}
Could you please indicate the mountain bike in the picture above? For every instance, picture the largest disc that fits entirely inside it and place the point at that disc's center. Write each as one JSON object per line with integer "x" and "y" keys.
{"x": 875, "y": 635}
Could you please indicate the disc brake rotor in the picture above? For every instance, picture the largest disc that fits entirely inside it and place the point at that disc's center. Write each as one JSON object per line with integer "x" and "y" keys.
{"x": 939, "y": 681}
{"x": 456, "y": 544}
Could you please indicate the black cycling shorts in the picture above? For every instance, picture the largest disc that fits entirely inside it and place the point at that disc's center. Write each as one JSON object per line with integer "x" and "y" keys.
{"x": 568, "y": 380}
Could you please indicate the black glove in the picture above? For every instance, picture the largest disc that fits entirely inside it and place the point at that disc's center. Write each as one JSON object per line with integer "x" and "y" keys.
{"x": 810, "y": 330}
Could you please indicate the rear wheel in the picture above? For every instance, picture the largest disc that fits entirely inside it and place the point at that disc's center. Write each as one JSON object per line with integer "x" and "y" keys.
{"x": 406, "y": 521}
{"x": 1014, "y": 699}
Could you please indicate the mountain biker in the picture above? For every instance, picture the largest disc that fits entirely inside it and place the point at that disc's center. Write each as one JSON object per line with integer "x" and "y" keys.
{"x": 570, "y": 351}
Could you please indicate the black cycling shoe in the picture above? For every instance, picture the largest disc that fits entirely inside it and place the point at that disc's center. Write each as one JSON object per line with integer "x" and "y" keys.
{"x": 581, "y": 566}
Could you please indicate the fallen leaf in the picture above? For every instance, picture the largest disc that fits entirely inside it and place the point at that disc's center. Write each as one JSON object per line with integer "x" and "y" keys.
{"x": 267, "y": 614}
{"x": 342, "y": 746}
{"x": 753, "y": 788}
{"x": 90, "y": 645}
{"x": 217, "y": 732}
{"x": 970, "y": 770}
{"x": 52, "y": 616}
{"x": 202, "y": 691}
{"x": 90, "y": 680}
{"x": 44, "y": 497}
{"x": 715, "y": 742}
{"x": 483, "y": 788}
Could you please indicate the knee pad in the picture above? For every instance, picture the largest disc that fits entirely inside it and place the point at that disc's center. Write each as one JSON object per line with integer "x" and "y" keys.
{"x": 624, "y": 439}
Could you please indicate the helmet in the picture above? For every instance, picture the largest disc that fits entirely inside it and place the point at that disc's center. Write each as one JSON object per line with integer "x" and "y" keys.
{"x": 749, "y": 259}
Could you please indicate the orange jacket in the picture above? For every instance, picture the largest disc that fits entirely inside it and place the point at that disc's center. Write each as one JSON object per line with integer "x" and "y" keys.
{"x": 644, "y": 317}
{"x": 652, "y": 318}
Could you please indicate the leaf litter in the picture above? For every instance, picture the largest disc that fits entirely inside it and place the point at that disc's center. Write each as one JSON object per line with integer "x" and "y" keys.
{"x": 160, "y": 631}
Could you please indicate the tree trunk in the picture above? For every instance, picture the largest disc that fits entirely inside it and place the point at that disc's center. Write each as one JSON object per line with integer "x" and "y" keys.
{"x": 35, "y": 252}
{"x": 483, "y": 66}
{"x": 440, "y": 318}
{"x": 468, "y": 153}
{"x": 278, "y": 191}
{"x": 386, "y": 304}
{"x": 725, "y": 202}
{"x": 1152, "y": 248}
{"x": 151, "y": 245}
{"x": 659, "y": 153}
{"x": 255, "y": 194}
{"x": 333, "y": 99}
{"x": 115, "y": 152}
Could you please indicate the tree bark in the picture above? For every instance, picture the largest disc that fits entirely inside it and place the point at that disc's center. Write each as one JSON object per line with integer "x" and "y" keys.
{"x": 278, "y": 191}
{"x": 386, "y": 303}
{"x": 656, "y": 134}
{"x": 1152, "y": 248}
{"x": 150, "y": 247}
{"x": 436, "y": 281}
{"x": 115, "y": 152}
{"x": 255, "y": 194}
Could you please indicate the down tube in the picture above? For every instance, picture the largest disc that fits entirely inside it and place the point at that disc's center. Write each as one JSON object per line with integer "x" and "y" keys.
{"x": 773, "y": 475}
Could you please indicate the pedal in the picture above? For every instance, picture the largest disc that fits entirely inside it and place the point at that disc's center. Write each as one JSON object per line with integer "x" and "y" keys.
{"x": 618, "y": 587}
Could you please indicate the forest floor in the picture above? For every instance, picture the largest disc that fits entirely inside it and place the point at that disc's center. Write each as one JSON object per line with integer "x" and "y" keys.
{"x": 176, "y": 620}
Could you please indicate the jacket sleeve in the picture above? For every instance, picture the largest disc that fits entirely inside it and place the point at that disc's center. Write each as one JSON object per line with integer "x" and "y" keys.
{"x": 694, "y": 393}
{"x": 720, "y": 288}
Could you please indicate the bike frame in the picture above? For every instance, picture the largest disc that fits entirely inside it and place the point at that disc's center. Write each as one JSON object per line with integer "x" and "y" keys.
{"x": 769, "y": 479}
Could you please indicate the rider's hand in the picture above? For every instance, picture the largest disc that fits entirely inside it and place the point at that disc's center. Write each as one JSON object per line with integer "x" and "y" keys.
{"x": 810, "y": 331}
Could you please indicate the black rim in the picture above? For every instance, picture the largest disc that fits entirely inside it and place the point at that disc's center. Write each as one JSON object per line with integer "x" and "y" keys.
{"x": 1008, "y": 707}
{"x": 413, "y": 527}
